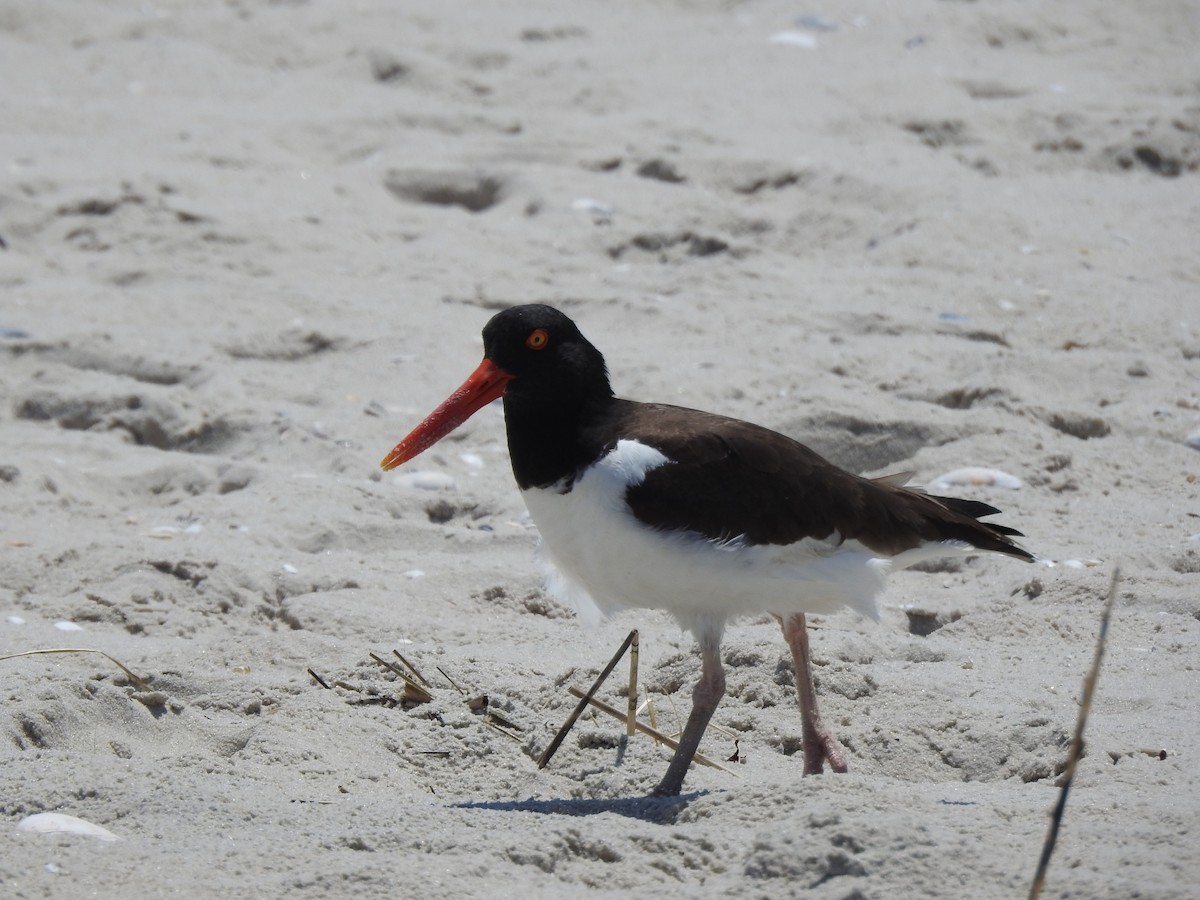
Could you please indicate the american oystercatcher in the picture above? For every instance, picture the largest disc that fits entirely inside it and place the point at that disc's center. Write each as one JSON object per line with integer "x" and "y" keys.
{"x": 643, "y": 505}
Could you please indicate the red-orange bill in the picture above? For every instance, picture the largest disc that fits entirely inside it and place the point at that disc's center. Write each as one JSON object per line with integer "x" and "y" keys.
{"x": 486, "y": 384}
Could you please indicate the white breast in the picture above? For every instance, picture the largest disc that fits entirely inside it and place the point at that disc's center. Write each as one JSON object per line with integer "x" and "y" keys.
{"x": 602, "y": 559}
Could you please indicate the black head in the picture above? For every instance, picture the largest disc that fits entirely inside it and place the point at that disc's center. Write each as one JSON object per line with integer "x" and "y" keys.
{"x": 550, "y": 361}
{"x": 553, "y": 383}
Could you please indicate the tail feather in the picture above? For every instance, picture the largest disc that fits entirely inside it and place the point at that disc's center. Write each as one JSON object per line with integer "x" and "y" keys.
{"x": 963, "y": 524}
{"x": 949, "y": 520}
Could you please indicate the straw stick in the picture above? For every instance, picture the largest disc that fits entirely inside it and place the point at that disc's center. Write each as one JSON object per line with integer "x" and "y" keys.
{"x": 451, "y": 680}
{"x": 139, "y": 682}
{"x": 645, "y": 729}
{"x": 411, "y": 668}
{"x": 419, "y": 694}
{"x": 631, "y": 709}
{"x": 582, "y": 705}
{"x": 1089, "y": 689}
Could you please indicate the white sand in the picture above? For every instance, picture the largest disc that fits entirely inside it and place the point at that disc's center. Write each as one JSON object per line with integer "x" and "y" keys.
{"x": 949, "y": 234}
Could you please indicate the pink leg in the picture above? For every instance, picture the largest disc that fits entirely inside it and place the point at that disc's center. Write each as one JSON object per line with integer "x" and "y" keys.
{"x": 817, "y": 740}
{"x": 705, "y": 696}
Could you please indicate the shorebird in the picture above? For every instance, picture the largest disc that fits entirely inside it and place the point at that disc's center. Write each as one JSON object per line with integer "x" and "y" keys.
{"x": 645, "y": 505}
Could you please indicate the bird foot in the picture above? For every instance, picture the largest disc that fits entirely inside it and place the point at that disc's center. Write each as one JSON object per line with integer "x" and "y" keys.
{"x": 820, "y": 746}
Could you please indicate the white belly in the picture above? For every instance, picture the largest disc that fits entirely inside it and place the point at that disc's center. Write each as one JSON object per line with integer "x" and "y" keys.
{"x": 603, "y": 559}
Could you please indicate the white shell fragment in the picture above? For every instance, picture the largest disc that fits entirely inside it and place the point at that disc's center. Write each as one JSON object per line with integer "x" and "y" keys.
{"x": 59, "y": 823}
{"x": 64, "y": 625}
{"x": 597, "y": 209}
{"x": 975, "y": 476}
{"x": 794, "y": 39}
{"x": 425, "y": 481}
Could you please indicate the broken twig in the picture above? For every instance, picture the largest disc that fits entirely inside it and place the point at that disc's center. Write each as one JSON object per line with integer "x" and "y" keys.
{"x": 631, "y": 708}
{"x": 1085, "y": 704}
{"x": 582, "y": 705}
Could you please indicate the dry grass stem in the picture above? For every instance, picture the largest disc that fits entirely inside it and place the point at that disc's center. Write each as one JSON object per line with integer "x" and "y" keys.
{"x": 412, "y": 690}
{"x": 411, "y": 668}
{"x": 645, "y": 729}
{"x": 142, "y": 685}
{"x": 501, "y": 725}
{"x": 1085, "y": 705}
{"x": 417, "y": 693}
{"x": 582, "y": 705}
{"x": 631, "y": 713}
{"x": 651, "y": 712}
{"x": 451, "y": 680}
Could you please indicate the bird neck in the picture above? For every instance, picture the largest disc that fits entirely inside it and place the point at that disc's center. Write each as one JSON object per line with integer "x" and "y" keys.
{"x": 551, "y": 443}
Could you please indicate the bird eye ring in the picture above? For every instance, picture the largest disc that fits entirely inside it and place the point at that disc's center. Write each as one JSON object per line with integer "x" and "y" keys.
{"x": 538, "y": 339}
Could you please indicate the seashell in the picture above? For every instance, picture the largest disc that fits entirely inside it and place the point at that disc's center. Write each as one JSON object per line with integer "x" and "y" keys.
{"x": 597, "y": 209}
{"x": 58, "y": 823}
{"x": 424, "y": 480}
{"x": 67, "y": 626}
{"x": 794, "y": 39}
{"x": 975, "y": 476}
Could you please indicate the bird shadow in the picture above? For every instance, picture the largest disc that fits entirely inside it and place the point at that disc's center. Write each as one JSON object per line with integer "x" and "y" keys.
{"x": 659, "y": 810}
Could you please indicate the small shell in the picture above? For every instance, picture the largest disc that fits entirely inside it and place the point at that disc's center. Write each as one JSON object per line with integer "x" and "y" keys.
{"x": 423, "y": 480}
{"x": 597, "y": 209}
{"x": 67, "y": 626}
{"x": 58, "y": 823}
{"x": 974, "y": 476}
{"x": 794, "y": 39}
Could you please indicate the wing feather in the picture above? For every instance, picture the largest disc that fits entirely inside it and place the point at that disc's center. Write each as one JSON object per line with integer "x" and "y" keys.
{"x": 730, "y": 480}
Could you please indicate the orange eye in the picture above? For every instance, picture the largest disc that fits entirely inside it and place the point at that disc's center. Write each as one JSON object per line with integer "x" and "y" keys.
{"x": 538, "y": 339}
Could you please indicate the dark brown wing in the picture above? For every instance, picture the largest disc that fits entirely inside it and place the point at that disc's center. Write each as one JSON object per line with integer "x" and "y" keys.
{"x": 729, "y": 479}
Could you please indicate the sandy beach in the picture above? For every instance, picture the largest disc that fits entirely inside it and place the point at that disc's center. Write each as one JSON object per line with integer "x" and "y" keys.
{"x": 246, "y": 246}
